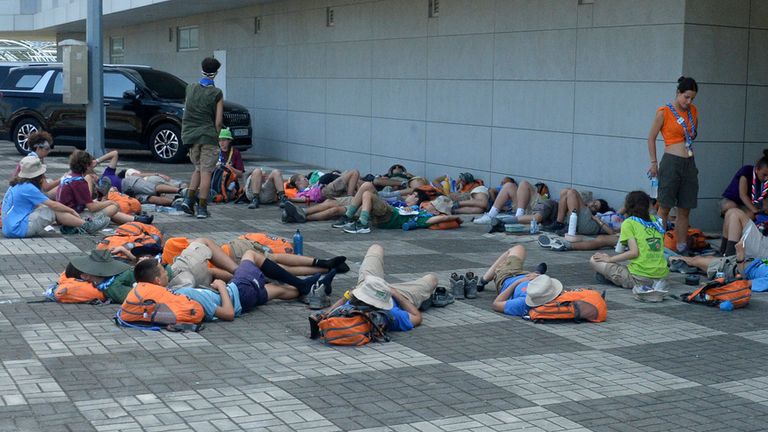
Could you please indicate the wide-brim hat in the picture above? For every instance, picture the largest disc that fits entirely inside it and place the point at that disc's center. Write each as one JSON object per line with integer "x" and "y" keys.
{"x": 443, "y": 204}
{"x": 99, "y": 263}
{"x": 31, "y": 167}
{"x": 374, "y": 291}
{"x": 543, "y": 289}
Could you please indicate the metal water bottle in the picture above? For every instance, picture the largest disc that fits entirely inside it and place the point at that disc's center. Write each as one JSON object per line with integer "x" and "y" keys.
{"x": 534, "y": 227}
{"x": 298, "y": 243}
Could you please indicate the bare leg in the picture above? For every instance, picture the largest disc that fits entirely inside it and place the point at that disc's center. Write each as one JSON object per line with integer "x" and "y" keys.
{"x": 205, "y": 185}
{"x": 194, "y": 182}
{"x": 160, "y": 200}
{"x": 352, "y": 177}
{"x": 68, "y": 219}
{"x": 700, "y": 262}
{"x": 256, "y": 177}
{"x": 726, "y": 205}
{"x": 524, "y": 194}
{"x": 518, "y": 251}
{"x": 281, "y": 291}
{"x": 562, "y": 209}
{"x": 121, "y": 218}
{"x": 323, "y": 206}
{"x": 219, "y": 258}
{"x": 735, "y": 220}
{"x": 277, "y": 177}
{"x": 508, "y": 192}
{"x": 166, "y": 189}
{"x": 663, "y": 214}
{"x": 218, "y": 273}
{"x": 472, "y": 206}
{"x": 681, "y": 226}
{"x": 328, "y": 214}
{"x": 598, "y": 242}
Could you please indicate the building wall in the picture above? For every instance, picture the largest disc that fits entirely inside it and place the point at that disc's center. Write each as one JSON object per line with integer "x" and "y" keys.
{"x": 548, "y": 90}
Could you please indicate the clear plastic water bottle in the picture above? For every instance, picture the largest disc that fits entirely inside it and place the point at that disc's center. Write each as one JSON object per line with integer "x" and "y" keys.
{"x": 654, "y": 193}
{"x": 534, "y": 227}
{"x": 619, "y": 247}
{"x": 573, "y": 221}
{"x": 298, "y": 243}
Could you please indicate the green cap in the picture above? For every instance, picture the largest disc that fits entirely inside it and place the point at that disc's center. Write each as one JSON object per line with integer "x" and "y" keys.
{"x": 225, "y": 134}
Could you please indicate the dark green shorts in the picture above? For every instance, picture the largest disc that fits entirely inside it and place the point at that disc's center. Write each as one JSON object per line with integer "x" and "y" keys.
{"x": 678, "y": 182}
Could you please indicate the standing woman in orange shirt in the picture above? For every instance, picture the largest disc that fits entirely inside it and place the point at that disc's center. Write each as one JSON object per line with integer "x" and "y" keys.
{"x": 677, "y": 173}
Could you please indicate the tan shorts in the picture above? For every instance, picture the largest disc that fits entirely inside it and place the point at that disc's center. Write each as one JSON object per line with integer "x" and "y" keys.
{"x": 726, "y": 265}
{"x": 381, "y": 211}
{"x": 267, "y": 194}
{"x": 39, "y": 219}
{"x": 619, "y": 275}
{"x": 344, "y": 201}
{"x": 190, "y": 269}
{"x": 336, "y": 188}
{"x": 415, "y": 291}
{"x": 511, "y": 267}
{"x": 204, "y": 156}
{"x": 240, "y": 246}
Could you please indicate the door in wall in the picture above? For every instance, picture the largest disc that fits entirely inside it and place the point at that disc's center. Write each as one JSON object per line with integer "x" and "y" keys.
{"x": 221, "y": 78}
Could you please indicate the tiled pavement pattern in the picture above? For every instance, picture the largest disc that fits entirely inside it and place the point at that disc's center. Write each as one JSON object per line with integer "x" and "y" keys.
{"x": 650, "y": 367}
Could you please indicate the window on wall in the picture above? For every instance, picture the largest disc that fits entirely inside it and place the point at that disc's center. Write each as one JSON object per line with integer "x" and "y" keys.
{"x": 187, "y": 38}
{"x": 116, "y": 50}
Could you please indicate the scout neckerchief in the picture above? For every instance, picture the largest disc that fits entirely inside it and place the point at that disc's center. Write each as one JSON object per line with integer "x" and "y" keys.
{"x": 221, "y": 157}
{"x": 688, "y": 137}
{"x": 104, "y": 285}
{"x": 207, "y": 79}
{"x": 758, "y": 195}
{"x": 655, "y": 225}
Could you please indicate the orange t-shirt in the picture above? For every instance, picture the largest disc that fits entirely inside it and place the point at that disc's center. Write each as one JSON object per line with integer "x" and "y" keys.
{"x": 671, "y": 130}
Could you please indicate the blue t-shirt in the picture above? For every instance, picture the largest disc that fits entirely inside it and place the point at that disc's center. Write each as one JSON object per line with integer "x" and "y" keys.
{"x": 397, "y": 319}
{"x": 757, "y": 272}
{"x": 210, "y": 300}
{"x": 516, "y": 306}
{"x": 19, "y": 202}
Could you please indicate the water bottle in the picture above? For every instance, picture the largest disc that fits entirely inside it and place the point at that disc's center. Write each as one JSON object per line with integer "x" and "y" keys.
{"x": 534, "y": 227}
{"x": 619, "y": 247}
{"x": 411, "y": 224}
{"x": 726, "y": 306}
{"x": 654, "y": 187}
{"x": 298, "y": 243}
{"x": 573, "y": 220}
{"x": 720, "y": 275}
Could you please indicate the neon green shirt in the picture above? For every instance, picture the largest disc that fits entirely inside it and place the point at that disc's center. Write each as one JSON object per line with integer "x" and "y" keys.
{"x": 650, "y": 262}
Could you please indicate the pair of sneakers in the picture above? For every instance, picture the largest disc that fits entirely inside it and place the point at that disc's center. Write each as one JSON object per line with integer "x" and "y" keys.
{"x": 291, "y": 213}
{"x": 352, "y": 226}
{"x": 555, "y": 243}
{"x": 91, "y": 225}
{"x": 317, "y": 298}
{"x": 192, "y": 208}
{"x": 464, "y": 286}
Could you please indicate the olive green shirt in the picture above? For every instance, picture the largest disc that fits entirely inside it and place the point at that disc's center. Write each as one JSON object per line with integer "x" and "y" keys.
{"x": 118, "y": 290}
{"x": 198, "y": 126}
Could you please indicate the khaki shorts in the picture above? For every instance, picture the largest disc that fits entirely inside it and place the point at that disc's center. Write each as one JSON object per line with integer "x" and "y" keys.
{"x": 204, "y": 156}
{"x": 381, "y": 211}
{"x": 726, "y": 265}
{"x": 511, "y": 267}
{"x": 678, "y": 182}
{"x": 239, "y": 247}
{"x": 585, "y": 225}
{"x": 39, "y": 219}
{"x": 190, "y": 269}
{"x": 344, "y": 201}
{"x": 267, "y": 194}
{"x": 619, "y": 275}
{"x": 415, "y": 291}
{"x": 336, "y": 188}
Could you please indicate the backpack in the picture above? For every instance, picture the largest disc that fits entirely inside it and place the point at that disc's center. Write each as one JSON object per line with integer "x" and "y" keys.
{"x": 738, "y": 291}
{"x": 224, "y": 185}
{"x": 574, "y": 305}
{"x": 450, "y": 224}
{"x": 348, "y": 325}
{"x": 174, "y": 246}
{"x": 154, "y": 305}
{"x": 127, "y": 204}
{"x": 136, "y": 234}
{"x": 270, "y": 243}
{"x": 71, "y": 290}
{"x": 696, "y": 240}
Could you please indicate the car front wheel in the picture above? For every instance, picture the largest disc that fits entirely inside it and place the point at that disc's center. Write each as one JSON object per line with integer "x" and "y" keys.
{"x": 24, "y": 128}
{"x": 165, "y": 144}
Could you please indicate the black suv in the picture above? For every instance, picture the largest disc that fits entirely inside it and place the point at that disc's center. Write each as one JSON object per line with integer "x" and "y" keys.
{"x": 144, "y": 108}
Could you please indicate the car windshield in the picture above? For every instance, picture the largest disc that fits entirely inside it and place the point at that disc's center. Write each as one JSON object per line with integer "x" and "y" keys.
{"x": 162, "y": 84}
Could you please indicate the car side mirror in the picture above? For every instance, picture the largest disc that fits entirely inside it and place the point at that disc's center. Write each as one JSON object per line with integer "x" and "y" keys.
{"x": 132, "y": 95}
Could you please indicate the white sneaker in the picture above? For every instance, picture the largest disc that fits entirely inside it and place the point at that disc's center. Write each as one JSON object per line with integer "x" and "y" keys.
{"x": 485, "y": 219}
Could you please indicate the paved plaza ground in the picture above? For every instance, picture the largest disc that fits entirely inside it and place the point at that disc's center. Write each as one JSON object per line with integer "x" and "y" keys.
{"x": 650, "y": 367}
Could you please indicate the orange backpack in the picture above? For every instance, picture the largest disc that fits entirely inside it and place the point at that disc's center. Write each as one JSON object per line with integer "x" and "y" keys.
{"x": 224, "y": 185}
{"x": 174, "y": 246}
{"x": 270, "y": 243}
{"x": 451, "y": 224}
{"x": 696, "y": 240}
{"x": 152, "y": 304}
{"x": 133, "y": 234}
{"x": 738, "y": 292}
{"x": 70, "y": 290}
{"x": 346, "y": 325}
{"x": 127, "y": 204}
{"x": 574, "y": 305}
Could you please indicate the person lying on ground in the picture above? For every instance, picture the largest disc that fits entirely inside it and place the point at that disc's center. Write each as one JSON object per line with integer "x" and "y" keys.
{"x": 75, "y": 193}
{"x": 738, "y": 226}
{"x": 731, "y": 267}
{"x": 345, "y": 184}
{"x": 560, "y": 244}
{"x": 264, "y": 189}
{"x": 525, "y": 202}
{"x": 748, "y": 189}
{"x": 26, "y": 210}
{"x": 519, "y": 290}
{"x": 400, "y": 301}
{"x": 39, "y": 144}
{"x": 149, "y": 187}
{"x": 587, "y": 221}
{"x": 396, "y": 178}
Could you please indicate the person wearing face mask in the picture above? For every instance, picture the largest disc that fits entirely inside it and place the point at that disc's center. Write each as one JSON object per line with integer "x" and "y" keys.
{"x": 748, "y": 189}
{"x": 677, "y": 173}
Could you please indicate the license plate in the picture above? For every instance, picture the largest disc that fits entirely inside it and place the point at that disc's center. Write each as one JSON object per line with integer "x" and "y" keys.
{"x": 240, "y": 132}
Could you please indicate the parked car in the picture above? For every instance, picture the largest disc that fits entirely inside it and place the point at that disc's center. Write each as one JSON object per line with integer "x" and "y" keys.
{"x": 144, "y": 107}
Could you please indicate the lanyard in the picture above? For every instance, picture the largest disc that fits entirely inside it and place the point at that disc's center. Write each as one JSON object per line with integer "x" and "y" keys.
{"x": 763, "y": 188}
{"x": 655, "y": 225}
{"x": 688, "y": 137}
{"x": 221, "y": 157}
{"x": 206, "y": 82}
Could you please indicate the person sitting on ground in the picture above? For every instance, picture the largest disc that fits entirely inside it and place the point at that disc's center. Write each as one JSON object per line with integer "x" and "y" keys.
{"x": 75, "y": 193}
{"x": 519, "y": 290}
{"x": 396, "y": 178}
{"x": 230, "y": 157}
{"x": 748, "y": 189}
{"x": 731, "y": 267}
{"x": 400, "y": 301}
{"x": 39, "y": 146}
{"x": 587, "y": 222}
{"x": 344, "y": 184}
{"x": 149, "y": 187}
{"x": 643, "y": 235}
{"x": 247, "y": 286}
{"x": 26, "y": 211}
{"x": 739, "y": 226}
{"x": 261, "y": 189}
